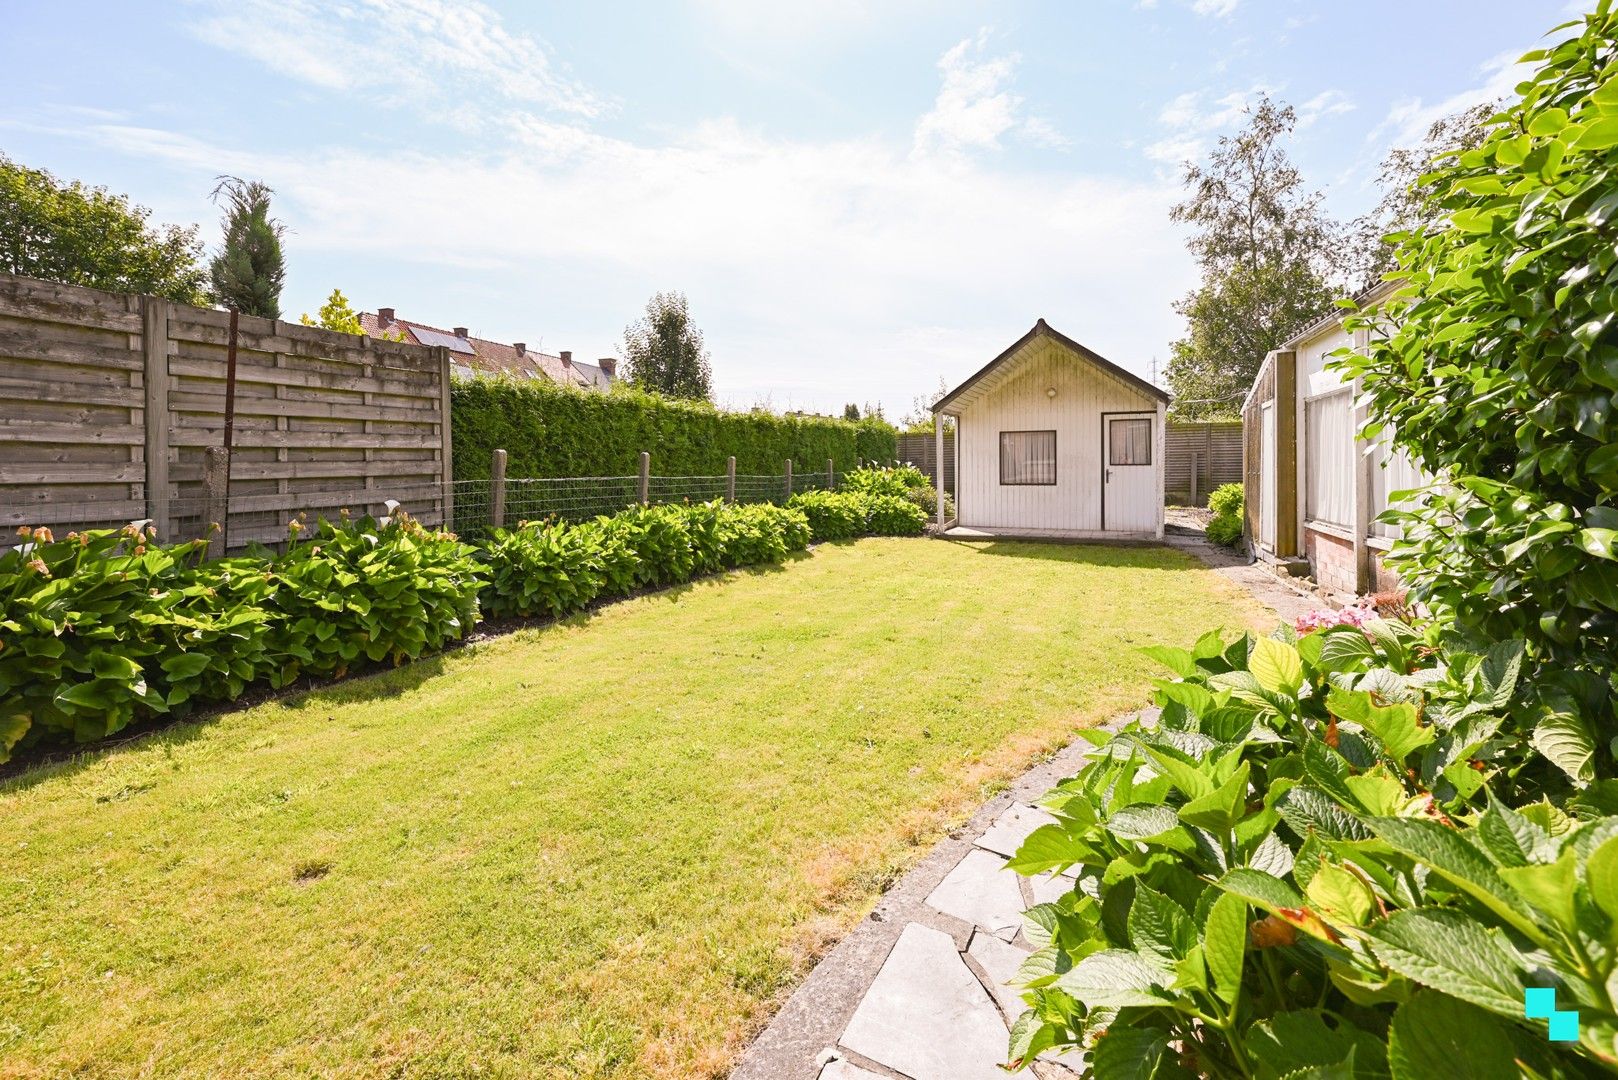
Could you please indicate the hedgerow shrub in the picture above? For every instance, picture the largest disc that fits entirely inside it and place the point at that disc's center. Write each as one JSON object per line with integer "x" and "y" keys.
{"x": 893, "y": 515}
{"x": 832, "y": 515}
{"x": 1224, "y": 529}
{"x": 552, "y": 431}
{"x": 1226, "y": 499}
{"x": 897, "y": 480}
{"x": 103, "y": 628}
{"x": 1329, "y": 856}
{"x": 555, "y": 569}
{"x": 368, "y": 589}
{"x": 1499, "y": 373}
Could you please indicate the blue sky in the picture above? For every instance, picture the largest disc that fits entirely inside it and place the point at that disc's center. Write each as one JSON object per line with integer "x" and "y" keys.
{"x": 859, "y": 198}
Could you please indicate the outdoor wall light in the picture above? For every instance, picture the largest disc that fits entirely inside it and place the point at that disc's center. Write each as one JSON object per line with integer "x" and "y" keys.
{"x": 1050, "y": 391}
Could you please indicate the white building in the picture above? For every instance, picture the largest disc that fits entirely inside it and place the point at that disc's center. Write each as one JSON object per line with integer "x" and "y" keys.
{"x": 1056, "y": 441}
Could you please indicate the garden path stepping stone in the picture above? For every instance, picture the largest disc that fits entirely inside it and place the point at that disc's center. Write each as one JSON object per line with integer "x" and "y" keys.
{"x": 838, "y": 1069}
{"x": 981, "y": 891}
{"x": 1049, "y": 888}
{"x": 1012, "y": 827}
{"x": 927, "y": 1016}
{"x": 1000, "y": 963}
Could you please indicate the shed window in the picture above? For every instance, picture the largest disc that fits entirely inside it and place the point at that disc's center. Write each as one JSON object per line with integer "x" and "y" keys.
{"x": 1028, "y": 457}
{"x": 1131, "y": 442}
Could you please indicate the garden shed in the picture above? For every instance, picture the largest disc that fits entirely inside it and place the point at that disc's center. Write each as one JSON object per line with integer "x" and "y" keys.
{"x": 1055, "y": 440}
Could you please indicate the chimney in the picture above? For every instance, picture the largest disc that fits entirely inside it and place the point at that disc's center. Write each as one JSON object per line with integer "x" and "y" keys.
{"x": 384, "y": 316}
{"x": 460, "y": 331}
{"x": 567, "y": 357}
{"x": 609, "y": 365}
{"x": 521, "y": 347}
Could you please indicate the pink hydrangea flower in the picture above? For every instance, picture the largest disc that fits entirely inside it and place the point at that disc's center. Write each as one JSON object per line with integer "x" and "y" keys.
{"x": 1356, "y": 614}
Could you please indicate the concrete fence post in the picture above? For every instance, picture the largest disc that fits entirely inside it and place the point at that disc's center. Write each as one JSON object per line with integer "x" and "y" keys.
{"x": 645, "y": 478}
{"x": 831, "y": 473}
{"x": 1195, "y": 469}
{"x": 497, "y": 490}
{"x": 730, "y": 480}
{"x": 216, "y": 505}
{"x": 789, "y": 478}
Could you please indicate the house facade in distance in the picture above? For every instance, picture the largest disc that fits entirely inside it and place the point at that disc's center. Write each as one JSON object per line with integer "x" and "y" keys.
{"x": 471, "y": 356}
{"x": 1055, "y": 440}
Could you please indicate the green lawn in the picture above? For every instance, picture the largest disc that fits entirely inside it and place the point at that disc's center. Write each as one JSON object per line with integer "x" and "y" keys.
{"x": 603, "y": 848}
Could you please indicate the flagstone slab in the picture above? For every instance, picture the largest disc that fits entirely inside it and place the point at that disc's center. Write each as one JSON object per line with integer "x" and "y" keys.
{"x": 1049, "y": 888}
{"x": 981, "y": 891}
{"x": 1000, "y": 962}
{"x": 927, "y": 1016}
{"x": 839, "y": 1069}
{"x": 1012, "y": 827}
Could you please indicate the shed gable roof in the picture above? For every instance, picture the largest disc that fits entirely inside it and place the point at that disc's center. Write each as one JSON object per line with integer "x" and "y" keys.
{"x": 1044, "y": 329}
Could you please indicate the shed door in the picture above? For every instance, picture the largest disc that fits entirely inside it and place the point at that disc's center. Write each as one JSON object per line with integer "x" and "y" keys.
{"x": 1129, "y": 472}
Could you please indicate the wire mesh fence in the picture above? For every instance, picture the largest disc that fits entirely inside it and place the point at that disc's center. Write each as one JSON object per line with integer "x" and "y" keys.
{"x": 261, "y": 512}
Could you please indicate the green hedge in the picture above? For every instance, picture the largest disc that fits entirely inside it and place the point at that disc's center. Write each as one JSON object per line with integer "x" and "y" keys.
{"x": 553, "y": 431}
{"x": 101, "y": 629}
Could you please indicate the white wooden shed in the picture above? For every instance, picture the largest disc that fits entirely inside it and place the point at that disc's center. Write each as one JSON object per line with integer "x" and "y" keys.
{"x": 1054, "y": 440}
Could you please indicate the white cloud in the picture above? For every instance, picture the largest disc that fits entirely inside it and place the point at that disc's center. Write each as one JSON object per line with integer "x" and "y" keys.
{"x": 1408, "y": 119}
{"x": 975, "y": 107}
{"x": 1325, "y": 103}
{"x": 1193, "y": 117}
{"x": 418, "y": 52}
{"x": 1219, "y": 9}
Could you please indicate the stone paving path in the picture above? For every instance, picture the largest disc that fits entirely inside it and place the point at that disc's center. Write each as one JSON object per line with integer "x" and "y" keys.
{"x": 918, "y": 991}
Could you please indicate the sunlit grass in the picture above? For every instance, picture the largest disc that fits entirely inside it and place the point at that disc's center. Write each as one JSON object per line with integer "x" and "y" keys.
{"x": 604, "y": 848}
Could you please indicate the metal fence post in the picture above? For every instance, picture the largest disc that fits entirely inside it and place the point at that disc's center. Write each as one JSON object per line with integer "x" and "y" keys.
{"x": 216, "y": 511}
{"x": 831, "y": 469}
{"x": 645, "y": 478}
{"x": 789, "y": 478}
{"x": 730, "y": 480}
{"x": 497, "y": 490}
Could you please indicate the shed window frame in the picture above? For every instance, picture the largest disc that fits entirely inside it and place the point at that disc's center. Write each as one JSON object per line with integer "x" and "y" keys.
{"x": 1027, "y": 460}
{"x": 1114, "y": 445}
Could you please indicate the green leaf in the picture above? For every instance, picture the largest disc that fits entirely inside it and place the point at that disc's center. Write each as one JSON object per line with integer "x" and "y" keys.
{"x": 1345, "y": 649}
{"x": 1449, "y": 853}
{"x": 113, "y": 666}
{"x": 1566, "y": 742}
{"x": 1601, "y": 877}
{"x": 1117, "y": 977}
{"x": 1159, "y": 928}
{"x": 1219, "y": 810}
{"x": 1224, "y": 945}
{"x": 1396, "y": 726}
{"x": 1602, "y": 543}
{"x": 1030, "y": 1037}
{"x": 1450, "y": 951}
{"x": 1127, "y": 1052}
{"x": 1437, "y": 1037}
{"x": 1142, "y": 822}
{"x": 1307, "y": 810}
{"x": 1048, "y": 847}
{"x": 1341, "y": 894}
{"x": 1179, "y": 661}
{"x": 186, "y": 665}
{"x": 1548, "y": 887}
{"x": 1277, "y": 666}
{"x": 1599, "y": 135}
{"x": 1260, "y": 889}
{"x": 1289, "y": 1043}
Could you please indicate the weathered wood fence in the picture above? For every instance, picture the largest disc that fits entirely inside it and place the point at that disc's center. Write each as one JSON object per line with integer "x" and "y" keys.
{"x": 114, "y": 407}
{"x": 1198, "y": 457}
{"x": 922, "y": 452}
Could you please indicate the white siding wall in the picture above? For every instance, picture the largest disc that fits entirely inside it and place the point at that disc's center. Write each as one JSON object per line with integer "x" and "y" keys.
{"x": 1083, "y": 393}
{"x": 1390, "y": 472}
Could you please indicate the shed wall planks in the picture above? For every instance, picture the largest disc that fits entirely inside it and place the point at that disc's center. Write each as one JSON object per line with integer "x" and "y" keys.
{"x": 109, "y": 403}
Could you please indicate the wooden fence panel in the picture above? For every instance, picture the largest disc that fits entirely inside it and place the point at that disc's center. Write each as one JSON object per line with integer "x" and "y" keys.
{"x": 922, "y": 452}
{"x": 110, "y": 402}
{"x": 1212, "y": 448}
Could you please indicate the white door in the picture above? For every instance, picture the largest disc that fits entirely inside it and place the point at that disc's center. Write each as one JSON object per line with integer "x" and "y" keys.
{"x": 1266, "y": 476}
{"x": 1129, "y": 472}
